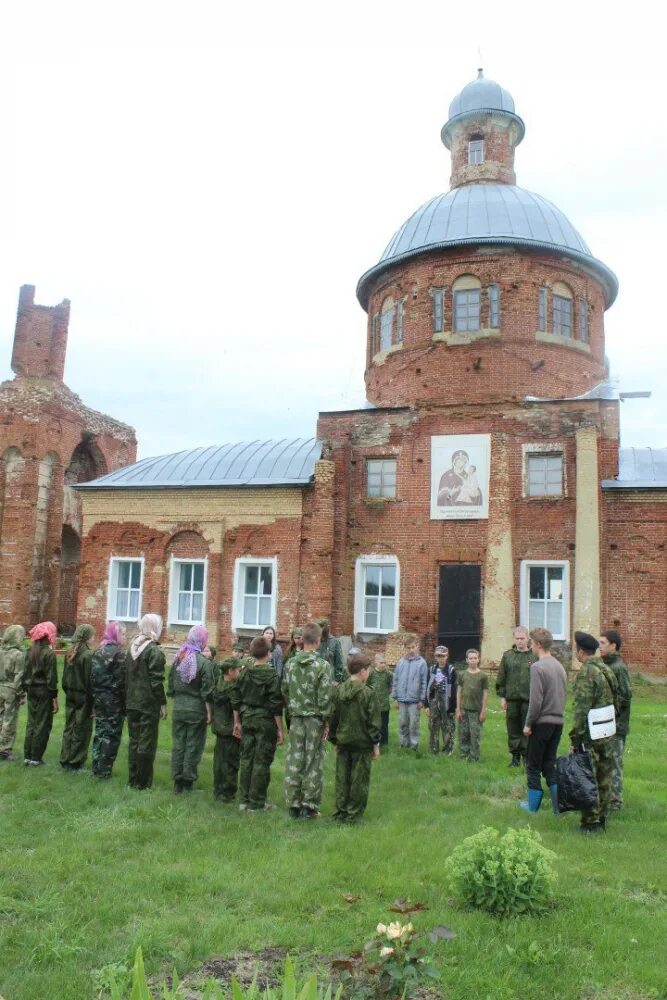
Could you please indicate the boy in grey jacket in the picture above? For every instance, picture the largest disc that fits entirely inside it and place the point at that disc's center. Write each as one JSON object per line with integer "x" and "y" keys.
{"x": 544, "y": 720}
{"x": 408, "y": 690}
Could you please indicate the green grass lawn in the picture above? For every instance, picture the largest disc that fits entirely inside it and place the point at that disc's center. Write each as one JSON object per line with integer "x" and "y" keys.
{"x": 89, "y": 871}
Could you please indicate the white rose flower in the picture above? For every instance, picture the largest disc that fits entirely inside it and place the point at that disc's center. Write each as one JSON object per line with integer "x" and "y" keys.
{"x": 386, "y": 951}
{"x": 394, "y": 931}
{"x": 381, "y": 928}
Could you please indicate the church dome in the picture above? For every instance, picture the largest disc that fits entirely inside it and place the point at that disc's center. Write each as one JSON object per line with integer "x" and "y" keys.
{"x": 481, "y": 96}
{"x": 488, "y": 214}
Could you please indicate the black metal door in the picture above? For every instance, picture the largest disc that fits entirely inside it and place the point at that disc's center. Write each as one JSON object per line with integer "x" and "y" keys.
{"x": 459, "y": 617}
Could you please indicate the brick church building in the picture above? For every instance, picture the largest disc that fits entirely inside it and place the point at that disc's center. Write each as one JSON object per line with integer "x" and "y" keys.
{"x": 482, "y": 485}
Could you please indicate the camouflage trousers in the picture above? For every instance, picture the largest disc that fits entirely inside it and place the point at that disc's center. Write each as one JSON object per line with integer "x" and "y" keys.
{"x": 40, "y": 723}
{"x": 353, "y": 780}
{"x": 440, "y": 725}
{"x": 470, "y": 735}
{"x": 77, "y": 732}
{"x": 9, "y": 711}
{"x": 617, "y": 750}
{"x": 601, "y": 752}
{"x": 142, "y": 730}
{"x": 187, "y": 747}
{"x": 515, "y": 720}
{"x": 106, "y": 741}
{"x": 226, "y": 759}
{"x": 304, "y": 766}
{"x": 258, "y": 748}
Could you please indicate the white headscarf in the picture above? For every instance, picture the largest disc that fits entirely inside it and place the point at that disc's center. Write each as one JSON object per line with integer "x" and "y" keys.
{"x": 150, "y": 627}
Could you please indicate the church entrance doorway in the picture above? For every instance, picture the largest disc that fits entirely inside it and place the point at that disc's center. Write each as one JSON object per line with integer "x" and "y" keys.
{"x": 459, "y": 608}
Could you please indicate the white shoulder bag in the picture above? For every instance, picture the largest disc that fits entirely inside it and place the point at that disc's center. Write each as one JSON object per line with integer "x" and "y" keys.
{"x": 602, "y": 722}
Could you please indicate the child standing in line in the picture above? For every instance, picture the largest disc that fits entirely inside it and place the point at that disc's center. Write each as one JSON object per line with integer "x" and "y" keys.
{"x": 190, "y": 683}
{"x": 441, "y": 709}
{"x": 355, "y": 731}
{"x": 258, "y": 721}
{"x": 380, "y": 681}
{"x": 408, "y": 689}
{"x": 471, "y": 700}
{"x": 227, "y": 753}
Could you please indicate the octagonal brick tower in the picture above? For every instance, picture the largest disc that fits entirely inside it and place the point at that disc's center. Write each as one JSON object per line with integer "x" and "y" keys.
{"x": 487, "y": 292}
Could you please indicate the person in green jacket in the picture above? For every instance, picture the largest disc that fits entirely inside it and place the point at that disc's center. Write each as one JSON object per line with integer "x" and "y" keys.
{"x": 227, "y": 753}
{"x": 12, "y": 665}
{"x": 610, "y": 651}
{"x": 355, "y": 732}
{"x": 145, "y": 700}
{"x": 107, "y": 681}
{"x": 513, "y": 689}
{"x": 307, "y": 689}
{"x": 78, "y": 700}
{"x": 594, "y": 687}
{"x": 258, "y": 722}
{"x": 190, "y": 684}
{"x": 380, "y": 681}
{"x": 41, "y": 683}
{"x": 330, "y": 650}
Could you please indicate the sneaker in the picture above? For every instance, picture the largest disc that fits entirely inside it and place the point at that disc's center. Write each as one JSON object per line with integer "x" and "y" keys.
{"x": 294, "y": 812}
{"x": 37, "y": 763}
{"x": 26, "y": 761}
{"x": 309, "y": 813}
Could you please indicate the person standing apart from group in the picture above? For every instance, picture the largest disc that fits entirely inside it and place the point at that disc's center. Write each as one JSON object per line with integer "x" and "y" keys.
{"x": 471, "y": 700}
{"x": 41, "y": 684}
{"x": 190, "y": 684}
{"x": 78, "y": 700}
{"x": 12, "y": 665}
{"x": 441, "y": 697}
{"x": 544, "y": 720}
{"x": 610, "y": 650}
{"x": 408, "y": 690}
{"x": 107, "y": 684}
{"x": 513, "y": 689}
{"x": 145, "y": 700}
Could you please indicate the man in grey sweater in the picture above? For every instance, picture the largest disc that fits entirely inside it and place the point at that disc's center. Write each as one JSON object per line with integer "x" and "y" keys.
{"x": 544, "y": 720}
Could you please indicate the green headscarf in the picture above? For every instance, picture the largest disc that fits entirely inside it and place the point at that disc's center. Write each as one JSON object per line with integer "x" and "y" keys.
{"x": 81, "y": 636}
{"x": 14, "y": 636}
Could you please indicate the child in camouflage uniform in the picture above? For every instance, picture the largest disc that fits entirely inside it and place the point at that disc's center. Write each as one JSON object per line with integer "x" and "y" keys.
{"x": 12, "y": 661}
{"x": 227, "y": 753}
{"x": 190, "y": 683}
{"x": 441, "y": 695}
{"x": 355, "y": 731}
{"x": 258, "y": 710}
{"x": 380, "y": 681}
{"x": 471, "y": 700}
{"x": 41, "y": 683}
{"x": 307, "y": 688}
{"x": 107, "y": 683}
{"x": 78, "y": 700}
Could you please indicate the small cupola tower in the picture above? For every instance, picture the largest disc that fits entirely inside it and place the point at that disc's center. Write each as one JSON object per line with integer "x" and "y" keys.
{"x": 482, "y": 132}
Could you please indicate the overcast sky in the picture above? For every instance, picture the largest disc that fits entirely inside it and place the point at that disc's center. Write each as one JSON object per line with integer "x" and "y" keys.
{"x": 207, "y": 185}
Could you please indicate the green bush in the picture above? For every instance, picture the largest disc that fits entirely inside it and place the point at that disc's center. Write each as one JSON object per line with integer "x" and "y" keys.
{"x": 506, "y": 876}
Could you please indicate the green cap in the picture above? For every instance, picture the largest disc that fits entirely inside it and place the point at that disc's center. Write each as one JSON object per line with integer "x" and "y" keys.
{"x": 231, "y": 663}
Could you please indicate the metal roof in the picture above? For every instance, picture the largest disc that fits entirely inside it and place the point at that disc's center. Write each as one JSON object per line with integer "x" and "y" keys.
{"x": 484, "y": 96}
{"x": 249, "y": 463}
{"x": 491, "y": 214}
{"x": 639, "y": 468}
{"x": 607, "y": 390}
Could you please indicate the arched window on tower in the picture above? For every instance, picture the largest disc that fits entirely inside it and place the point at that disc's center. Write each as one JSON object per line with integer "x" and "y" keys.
{"x": 562, "y": 309}
{"x": 387, "y": 314}
{"x": 467, "y": 293}
{"x": 476, "y": 149}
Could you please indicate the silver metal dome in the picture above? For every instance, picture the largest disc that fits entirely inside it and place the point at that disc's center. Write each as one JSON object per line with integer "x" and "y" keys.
{"x": 488, "y": 214}
{"x": 482, "y": 95}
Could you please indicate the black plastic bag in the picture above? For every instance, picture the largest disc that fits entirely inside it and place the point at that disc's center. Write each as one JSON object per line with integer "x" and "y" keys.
{"x": 577, "y": 787}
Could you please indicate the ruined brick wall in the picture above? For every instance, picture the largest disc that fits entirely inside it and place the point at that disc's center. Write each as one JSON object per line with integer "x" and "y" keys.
{"x": 517, "y": 360}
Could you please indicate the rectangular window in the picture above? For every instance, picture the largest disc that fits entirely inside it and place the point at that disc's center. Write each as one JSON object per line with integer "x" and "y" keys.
{"x": 494, "y": 307}
{"x": 562, "y": 316}
{"x": 476, "y": 151}
{"x": 542, "y": 317}
{"x": 438, "y": 309}
{"x": 386, "y": 329}
{"x": 375, "y": 335}
{"x": 376, "y": 594}
{"x": 466, "y": 310}
{"x": 381, "y": 477}
{"x": 254, "y": 599}
{"x": 187, "y": 592}
{"x": 399, "y": 322}
{"x": 125, "y": 586}
{"x": 583, "y": 321}
{"x": 544, "y": 596}
{"x": 545, "y": 474}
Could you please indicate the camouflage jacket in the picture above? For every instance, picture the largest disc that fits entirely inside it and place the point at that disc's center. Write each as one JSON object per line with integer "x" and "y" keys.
{"x": 308, "y": 686}
{"x": 513, "y": 680}
{"x": 107, "y": 679}
{"x": 257, "y": 694}
{"x": 355, "y": 722}
{"x": 144, "y": 680}
{"x": 331, "y": 651}
{"x": 623, "y": 694}
{"x": 190, "y": 697}
{"x": 44, "y": 673}
{"x": 380, "y": 681}
{"x": 12, "y": 660}
{"x": 591, "y": 690}
{"x": 221, "y": 698}
{"x": 76, "y": 675}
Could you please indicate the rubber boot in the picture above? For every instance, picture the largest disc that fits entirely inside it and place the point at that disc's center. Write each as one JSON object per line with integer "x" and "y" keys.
{"x": 534, "y": 800}
{"x": 553, "y": 792}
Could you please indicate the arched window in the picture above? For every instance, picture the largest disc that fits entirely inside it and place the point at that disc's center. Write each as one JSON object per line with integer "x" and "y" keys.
{"x": 562, "y": 309}
{"x": 467, "y": 292}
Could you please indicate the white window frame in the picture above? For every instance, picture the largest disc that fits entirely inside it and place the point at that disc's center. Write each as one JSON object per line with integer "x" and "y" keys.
{"x": 360, "y": 593}
{"x": 112, "y": 590}
{"x": 174, "y": 591}
{"x": 239, "y": 593}
{"x": 524, "y": 591}
{"x": 476, "y": 152}
{"x": 543, "y": 456}
{"x": 560, "y": 314}
{"x": 382, "y": 495}
{"x": 467, "y": 327}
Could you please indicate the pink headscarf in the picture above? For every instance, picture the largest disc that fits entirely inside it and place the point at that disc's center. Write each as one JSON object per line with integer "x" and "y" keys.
{"x": 111, "y": 634}
{"x": 45, "y": 630}
{"x": 150, "y": 627}
{"x": 186, "y": 658}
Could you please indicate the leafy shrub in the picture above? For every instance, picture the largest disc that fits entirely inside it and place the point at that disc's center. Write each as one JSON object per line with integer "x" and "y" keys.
{"x": 395, "y": 961}
{"x": 506, "y": 876}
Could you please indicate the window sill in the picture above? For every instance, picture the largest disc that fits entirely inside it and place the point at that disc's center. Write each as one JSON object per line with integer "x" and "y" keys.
{"x": 555, "y": 338}
{"x": 190, "y": 624}
{"x": 379, "y": 502}
{"x": 548, "y": 497}
{"x": 375, "y": 631}
{"x": 448, "y": 337}
{"x": 381, "y": 356}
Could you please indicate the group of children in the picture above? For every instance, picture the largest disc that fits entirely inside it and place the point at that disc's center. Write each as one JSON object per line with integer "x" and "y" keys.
{"x": 244, "y": 699}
